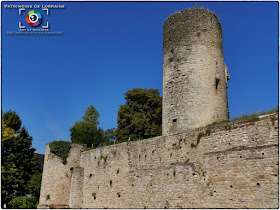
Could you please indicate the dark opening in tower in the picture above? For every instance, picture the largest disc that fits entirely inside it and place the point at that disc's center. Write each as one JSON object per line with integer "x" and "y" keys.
{"x": 174, "y": 125}
{"x": 217, "y": 84}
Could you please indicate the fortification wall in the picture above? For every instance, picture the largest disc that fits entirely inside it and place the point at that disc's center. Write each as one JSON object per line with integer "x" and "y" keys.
{"x": 233, "y": 165}
{"x": 56, "y": 180}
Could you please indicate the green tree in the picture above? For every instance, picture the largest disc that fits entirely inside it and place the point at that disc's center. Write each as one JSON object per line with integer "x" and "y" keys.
{"x": 109, "y": 136}
{"x": 91, "y": 115}
{"x": 86, "y": 131}
{"x": 140, "y": 117}
{"x": 34, "y": 184}
{"x": 12, "y": 120}
{"x": 19, "y": 162}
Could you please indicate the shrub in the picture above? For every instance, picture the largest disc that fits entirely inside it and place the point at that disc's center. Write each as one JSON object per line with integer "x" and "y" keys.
{"x": 61, "y": 149}
{"x": 23, "y": 202}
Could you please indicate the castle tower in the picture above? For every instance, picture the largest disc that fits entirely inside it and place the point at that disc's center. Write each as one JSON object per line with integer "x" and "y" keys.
{"x": 194, "y": 72}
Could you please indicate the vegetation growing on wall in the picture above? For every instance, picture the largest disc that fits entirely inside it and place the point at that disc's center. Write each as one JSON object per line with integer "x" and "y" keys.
{"x": 61, "y": 149}
{"x": 199, "y": 136}
{"x": 244, "y": 117}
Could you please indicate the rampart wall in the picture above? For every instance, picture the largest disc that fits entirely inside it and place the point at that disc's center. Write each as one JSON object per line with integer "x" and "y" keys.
{"x": 232, "y": 165}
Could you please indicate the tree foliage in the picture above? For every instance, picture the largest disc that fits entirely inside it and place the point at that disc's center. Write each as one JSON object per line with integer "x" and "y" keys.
{"x": 109, "y": 136}
{"x": 91, "y": 115}
{"x": 34, "y": 184}
{"x": 6, "y": 132}
{"x": 140, "y": 117}
{"x": 86, "y": 131}
{"x": 19, "y": 162}
{"x": 12, "y": 120}
{"x": 23, "y": 202}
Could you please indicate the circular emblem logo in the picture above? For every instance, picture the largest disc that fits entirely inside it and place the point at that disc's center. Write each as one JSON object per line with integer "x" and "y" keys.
{"x": 34, "y": 18}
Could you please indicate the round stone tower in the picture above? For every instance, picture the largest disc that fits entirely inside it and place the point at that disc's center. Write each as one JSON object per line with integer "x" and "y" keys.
{"x": 194, "y": 72}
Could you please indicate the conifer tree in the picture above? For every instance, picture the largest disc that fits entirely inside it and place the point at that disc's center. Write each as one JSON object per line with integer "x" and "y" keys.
{"x": 19, "y": 162}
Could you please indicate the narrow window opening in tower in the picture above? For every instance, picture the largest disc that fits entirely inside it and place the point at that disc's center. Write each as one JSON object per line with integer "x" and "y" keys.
{"x": 174, "y": 125}
{"x": 217, "y": 83}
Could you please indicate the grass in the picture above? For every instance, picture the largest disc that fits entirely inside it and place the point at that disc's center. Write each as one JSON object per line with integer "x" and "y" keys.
{"x": 244, "y": 117}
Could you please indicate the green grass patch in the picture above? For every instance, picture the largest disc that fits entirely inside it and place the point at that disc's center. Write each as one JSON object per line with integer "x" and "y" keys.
{"x": 244, "y": 117}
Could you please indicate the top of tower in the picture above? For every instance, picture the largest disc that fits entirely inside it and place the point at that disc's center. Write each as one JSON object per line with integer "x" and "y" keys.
{"x": 189, "y": 24}
{"x": 192, "y": 11}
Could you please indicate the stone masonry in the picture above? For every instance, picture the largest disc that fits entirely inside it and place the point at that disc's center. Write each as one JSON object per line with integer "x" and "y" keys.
{"x": 232, "y": 165}
{"x": 194, "y": 73}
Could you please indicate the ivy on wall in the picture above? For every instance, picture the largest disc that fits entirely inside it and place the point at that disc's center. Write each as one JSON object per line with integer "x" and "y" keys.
{"x": 61, "y": 149}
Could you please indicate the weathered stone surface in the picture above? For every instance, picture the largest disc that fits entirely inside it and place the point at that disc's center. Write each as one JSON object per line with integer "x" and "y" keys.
{"x": 234, "y": 165}
{"x": 194, "y": 72}
{"x": 56, "y": 180}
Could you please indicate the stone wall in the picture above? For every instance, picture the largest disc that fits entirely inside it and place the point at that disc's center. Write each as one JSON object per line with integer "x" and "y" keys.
{"x": 233, "y": 165}
{"x": 56, "y": 180}
{"x": 194, "y": 72}
{"x": 76, "y": 191}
